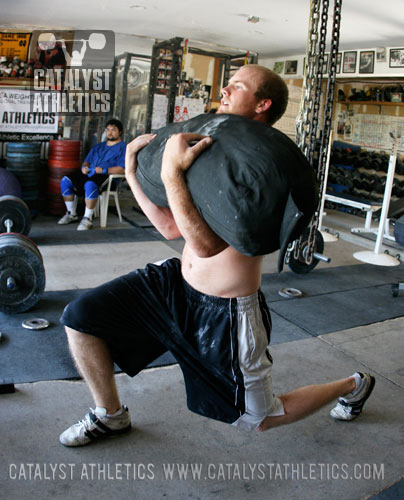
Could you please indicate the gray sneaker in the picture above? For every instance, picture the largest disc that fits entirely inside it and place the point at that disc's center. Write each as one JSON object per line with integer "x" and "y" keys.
{"x": 350, "y": 406}
{"x": 68, "y": 218}
{"x": 85, "y": 224}
{"x": 96, "y": 425}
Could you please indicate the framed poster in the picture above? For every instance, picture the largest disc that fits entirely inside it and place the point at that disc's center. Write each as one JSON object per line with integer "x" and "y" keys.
{"x": 396, "y": 58}
{"x": 278, "y": 67}
{"x": 366, "y": 61}
{"x": 290, "y": 67}
{"x": 349, "y": 65}
{"x": 14, "y": 45}
{"x": 381, "y": 54}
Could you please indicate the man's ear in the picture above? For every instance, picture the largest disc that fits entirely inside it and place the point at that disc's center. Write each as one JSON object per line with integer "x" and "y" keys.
{"x": 264, "y": 105}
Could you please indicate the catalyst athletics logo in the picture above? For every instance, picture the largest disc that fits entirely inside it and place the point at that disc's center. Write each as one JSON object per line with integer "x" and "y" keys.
{"x": 73, "y": 72}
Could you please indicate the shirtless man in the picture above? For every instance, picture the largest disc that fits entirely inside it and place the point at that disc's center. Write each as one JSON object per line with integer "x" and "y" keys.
{"x": 206, "y": 308}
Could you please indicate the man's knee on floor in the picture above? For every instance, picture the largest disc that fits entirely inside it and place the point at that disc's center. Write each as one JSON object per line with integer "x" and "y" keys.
{"x": 262, "y": 420}
{"x": 76, "y": 313}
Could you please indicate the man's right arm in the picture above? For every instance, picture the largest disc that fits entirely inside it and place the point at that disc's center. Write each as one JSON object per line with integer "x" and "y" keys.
{"x": 161, "y": 217}
{"x": 85, "y": 167}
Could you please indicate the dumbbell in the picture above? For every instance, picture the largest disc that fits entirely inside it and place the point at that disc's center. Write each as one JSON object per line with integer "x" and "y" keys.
{"x": 22, "y": 274}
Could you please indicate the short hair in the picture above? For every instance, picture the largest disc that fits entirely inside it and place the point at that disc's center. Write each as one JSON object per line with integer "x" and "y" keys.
{"x": 272, "y": 87}
{"x": 116, "y": 123}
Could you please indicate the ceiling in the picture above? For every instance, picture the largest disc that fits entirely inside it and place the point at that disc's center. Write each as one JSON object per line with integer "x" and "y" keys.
{"x": 221, "y": 24}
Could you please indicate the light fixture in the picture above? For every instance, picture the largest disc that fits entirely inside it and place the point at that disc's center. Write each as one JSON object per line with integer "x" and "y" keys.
{"x": 253, "y": 19}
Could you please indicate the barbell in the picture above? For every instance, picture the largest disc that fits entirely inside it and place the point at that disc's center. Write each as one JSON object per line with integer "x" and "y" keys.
{"x": 22, "y": 273}
{"x": 47, "y": 41}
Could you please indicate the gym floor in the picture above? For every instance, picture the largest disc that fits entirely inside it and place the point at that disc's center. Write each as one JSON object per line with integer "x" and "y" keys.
{"x": 174, "y": 454}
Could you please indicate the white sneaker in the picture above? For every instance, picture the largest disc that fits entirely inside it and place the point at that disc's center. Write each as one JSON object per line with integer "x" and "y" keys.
{"x": 350, "y": 406}
{"x": 96, "y": 425}
{"x": 85, "y": 224}
{"x": 68, "y": 218}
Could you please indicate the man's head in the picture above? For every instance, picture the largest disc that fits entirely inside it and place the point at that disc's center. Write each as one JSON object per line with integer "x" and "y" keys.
{"x": 255, "y": 92}
{"x": 114, "y": 130}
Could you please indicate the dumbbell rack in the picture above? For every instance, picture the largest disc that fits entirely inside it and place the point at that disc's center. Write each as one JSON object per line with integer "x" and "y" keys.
{"x": 376, "y": 257}
{"x": 357, "y": 180}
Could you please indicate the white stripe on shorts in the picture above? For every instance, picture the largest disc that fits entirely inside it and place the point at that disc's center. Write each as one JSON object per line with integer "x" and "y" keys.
{"x": 255, "y": 366}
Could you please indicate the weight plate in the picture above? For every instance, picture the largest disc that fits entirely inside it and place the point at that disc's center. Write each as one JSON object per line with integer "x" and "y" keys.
{"x": 22, "y": 275}
{"x": 299, "y": 265}
{"x": 35, "y": 323}
{"x": 14, "y": 209}
{"x": 290, "y": 293}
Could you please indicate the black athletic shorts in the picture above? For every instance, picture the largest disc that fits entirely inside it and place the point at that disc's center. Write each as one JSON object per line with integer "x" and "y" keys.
{"x": 220, "y": 344}
{"x": 78, "y": 180}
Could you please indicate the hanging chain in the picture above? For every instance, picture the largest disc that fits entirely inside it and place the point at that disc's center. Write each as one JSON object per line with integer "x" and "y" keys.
{"x": 326, "y": 128}
{"x": 303, "y": 123}
{"x": 308, "y": 118}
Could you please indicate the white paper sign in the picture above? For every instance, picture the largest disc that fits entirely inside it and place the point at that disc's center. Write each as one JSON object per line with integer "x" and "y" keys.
{"x": 16, "y": 114}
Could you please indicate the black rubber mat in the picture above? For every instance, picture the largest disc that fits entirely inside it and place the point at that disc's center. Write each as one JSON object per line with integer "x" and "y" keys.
{"x": 55, "y": 234}
{"x": 333, "y": 299}
{"x": 33, "y": 355}
{"x": 394, "y": 492}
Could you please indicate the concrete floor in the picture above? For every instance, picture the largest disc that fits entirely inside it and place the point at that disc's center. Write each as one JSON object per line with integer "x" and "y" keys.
{"x": 173, "y": 454}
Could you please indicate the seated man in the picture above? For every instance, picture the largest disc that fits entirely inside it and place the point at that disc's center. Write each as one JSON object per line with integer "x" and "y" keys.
{"x": 103, "y": 159}
{"x": 207, "y": 308}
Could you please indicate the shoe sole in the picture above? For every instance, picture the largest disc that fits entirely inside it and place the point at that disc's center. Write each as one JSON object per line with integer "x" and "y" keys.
{"x": 364, "y": 399}
{"x": 92, "y": 439}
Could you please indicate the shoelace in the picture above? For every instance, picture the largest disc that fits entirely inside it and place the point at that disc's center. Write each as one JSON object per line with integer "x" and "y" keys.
{"x": 86, "y": 421}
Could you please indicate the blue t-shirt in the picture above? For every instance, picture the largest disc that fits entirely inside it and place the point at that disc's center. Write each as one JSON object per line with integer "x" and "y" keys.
{"x": 105, "y": 156}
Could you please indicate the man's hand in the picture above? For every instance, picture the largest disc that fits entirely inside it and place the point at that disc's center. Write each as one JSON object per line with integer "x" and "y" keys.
{"x": 99, "y": 170}
{"x": 85, "y": 169}
{"x": 180, "y": 152}
{"x": 132, "y": 149}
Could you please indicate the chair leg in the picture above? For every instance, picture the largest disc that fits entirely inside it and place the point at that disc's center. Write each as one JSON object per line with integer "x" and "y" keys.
{"x": 118, "y": 208}
{"x": 97, "y": 207}
{"x": 104, "y": 210}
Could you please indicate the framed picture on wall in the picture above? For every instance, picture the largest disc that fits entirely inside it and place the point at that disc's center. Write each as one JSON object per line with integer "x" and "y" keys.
{"x": 396, "y": 58}
{"x": 381, "y": 54}
{"x": 290, "y": 67}
{"x": 366, "y": 61}
{"x": 349, "y": 65}
{"x": 278, "y": 67}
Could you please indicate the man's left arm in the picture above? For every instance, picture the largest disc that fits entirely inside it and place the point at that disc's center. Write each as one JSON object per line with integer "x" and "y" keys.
{"x": 178, "y": 156}
{"x": 109, "y": 170}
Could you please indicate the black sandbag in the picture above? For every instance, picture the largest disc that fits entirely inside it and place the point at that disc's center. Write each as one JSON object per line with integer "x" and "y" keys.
{"x": 241, "y": 183}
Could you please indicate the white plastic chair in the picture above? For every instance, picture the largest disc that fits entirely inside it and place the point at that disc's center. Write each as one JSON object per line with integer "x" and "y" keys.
{"x": 107, "y": 190}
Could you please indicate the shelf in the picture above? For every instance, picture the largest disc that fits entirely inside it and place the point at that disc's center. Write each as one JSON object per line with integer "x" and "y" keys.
{"x": 15, "y": 82}
{"x": 371, "y": 103}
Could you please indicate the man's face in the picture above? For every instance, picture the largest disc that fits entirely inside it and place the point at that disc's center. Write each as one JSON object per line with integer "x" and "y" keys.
{"x": 238, "y": 97}
{"x": 112, "y": 133}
